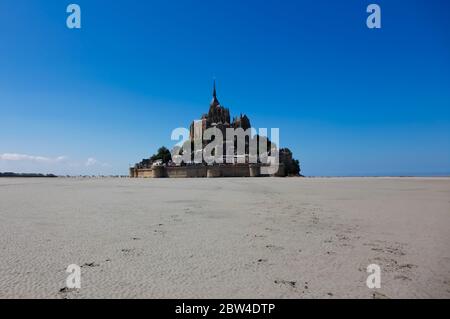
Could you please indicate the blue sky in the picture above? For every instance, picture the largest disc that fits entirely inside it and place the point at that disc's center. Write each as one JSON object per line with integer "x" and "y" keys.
{"x": 348, "y": 100}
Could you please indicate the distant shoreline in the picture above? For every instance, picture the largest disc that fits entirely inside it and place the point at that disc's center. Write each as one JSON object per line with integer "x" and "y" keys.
{"x": 27, "y": 175}
{"x": 41, "y": 175}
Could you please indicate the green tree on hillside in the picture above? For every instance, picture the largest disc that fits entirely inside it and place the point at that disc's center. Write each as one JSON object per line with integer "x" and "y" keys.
{"x": 163, "y": 154}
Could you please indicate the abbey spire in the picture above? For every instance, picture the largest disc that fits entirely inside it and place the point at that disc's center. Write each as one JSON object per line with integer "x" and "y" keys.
{"x": 215, "y": 101}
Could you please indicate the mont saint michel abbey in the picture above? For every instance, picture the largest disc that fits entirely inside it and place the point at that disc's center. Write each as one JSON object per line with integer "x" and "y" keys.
{"x": 161, "y": 165}
{"x": 219, "y": 117}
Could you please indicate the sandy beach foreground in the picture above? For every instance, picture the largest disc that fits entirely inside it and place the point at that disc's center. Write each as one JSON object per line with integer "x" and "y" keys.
{"x": 225, "y": 238}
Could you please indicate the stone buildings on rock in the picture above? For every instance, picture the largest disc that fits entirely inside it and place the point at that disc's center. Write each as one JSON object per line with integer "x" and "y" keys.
{"x": 217, "y": 117}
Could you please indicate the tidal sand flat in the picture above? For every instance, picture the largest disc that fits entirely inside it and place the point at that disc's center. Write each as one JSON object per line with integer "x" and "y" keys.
{"x": 225, "y": 238}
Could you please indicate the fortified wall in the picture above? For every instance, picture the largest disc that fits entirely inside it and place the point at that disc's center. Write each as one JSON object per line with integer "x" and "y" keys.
{"x": 202, "y": 171}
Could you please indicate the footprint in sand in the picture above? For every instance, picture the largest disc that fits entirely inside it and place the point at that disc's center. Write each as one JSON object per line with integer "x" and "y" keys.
{"x": 402, "y": 277}
{"x": 261, "y": 261}
{"x": 274, "y": 248}
{"x": 129, "y": 252}
{"x": 292, "y": 284}
{"x": 379, "y": 295}
{"x": 65, "y": 292}
{"x": 90, "y": 265}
